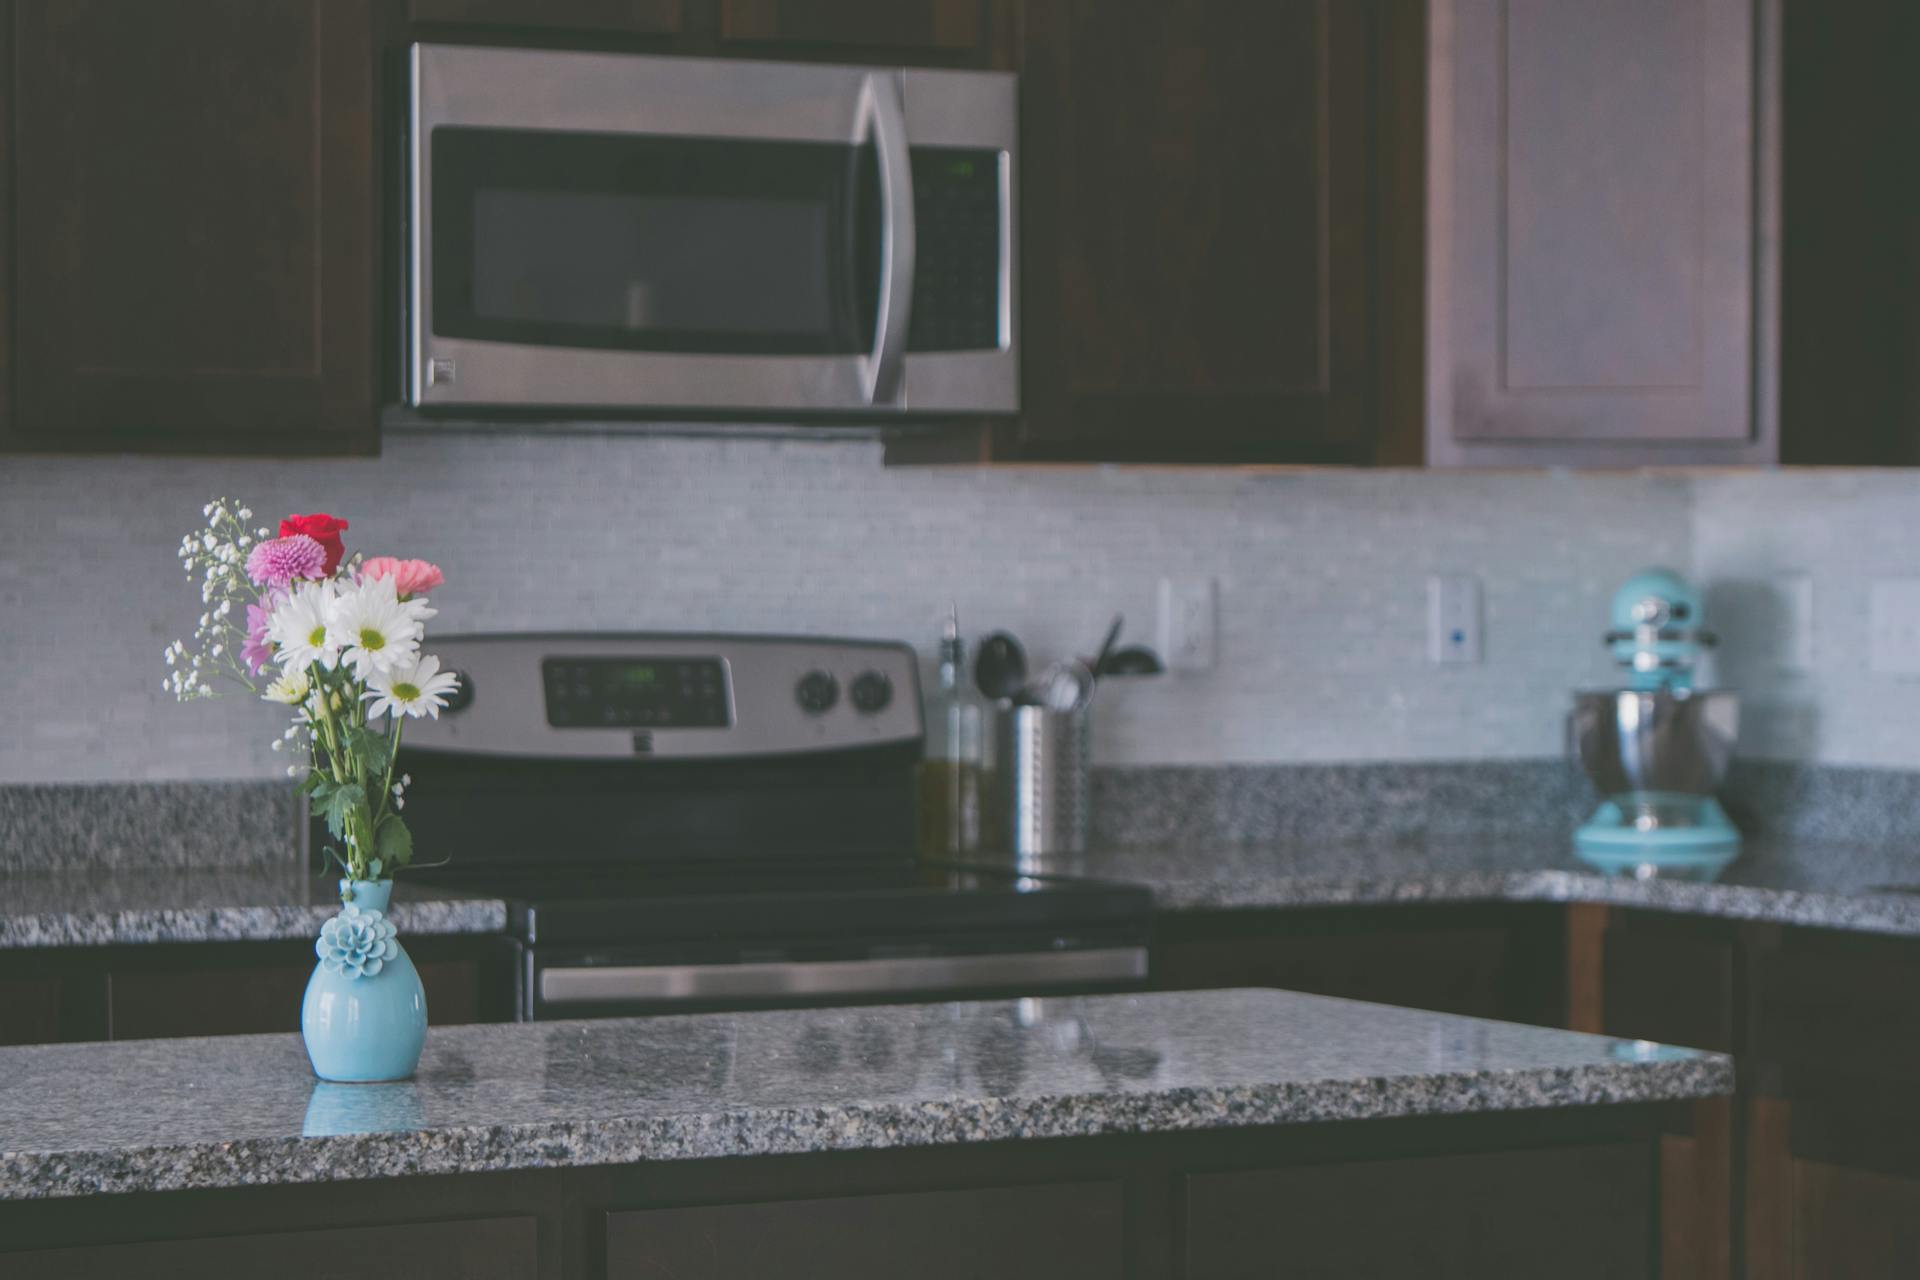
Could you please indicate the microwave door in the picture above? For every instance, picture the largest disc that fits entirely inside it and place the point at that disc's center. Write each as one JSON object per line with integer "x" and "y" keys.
{"x": 617, "y": 231}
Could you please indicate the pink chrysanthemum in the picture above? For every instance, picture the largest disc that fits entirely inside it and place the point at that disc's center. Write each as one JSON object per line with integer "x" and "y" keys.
{"x": 255, "y": 651}
{"x": 282, "y": 561}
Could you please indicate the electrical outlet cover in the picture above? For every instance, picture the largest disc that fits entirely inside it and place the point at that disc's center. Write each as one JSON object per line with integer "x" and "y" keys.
{"x": 1189, "y": 624}
{"x": 1453, "y": 619}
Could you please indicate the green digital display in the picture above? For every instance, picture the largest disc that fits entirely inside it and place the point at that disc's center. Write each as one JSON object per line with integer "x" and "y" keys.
{"x": 637, "y": 676}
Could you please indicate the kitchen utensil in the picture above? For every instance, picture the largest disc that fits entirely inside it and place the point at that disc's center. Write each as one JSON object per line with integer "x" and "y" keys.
{"x": 1043, "y": 772}
{"x": 1064, "y": 686}
{"x": 1659, "y": 748}
{"x": 1000, "y": 667}
{"x": 1134, "y": 660}
{"x": 1106, "y": 646}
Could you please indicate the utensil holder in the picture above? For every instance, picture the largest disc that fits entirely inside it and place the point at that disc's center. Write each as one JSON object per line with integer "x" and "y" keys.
{"x": 1041, "y": 776}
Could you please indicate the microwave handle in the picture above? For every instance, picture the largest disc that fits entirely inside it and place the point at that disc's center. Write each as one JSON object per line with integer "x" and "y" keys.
{"x": 884, "y": 117}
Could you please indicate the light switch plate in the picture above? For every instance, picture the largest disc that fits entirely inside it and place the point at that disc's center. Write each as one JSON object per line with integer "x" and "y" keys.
{"x": 1894, "y": 627}
{"x": 1795, "y": 595}
{"x": 1453, "y": 619}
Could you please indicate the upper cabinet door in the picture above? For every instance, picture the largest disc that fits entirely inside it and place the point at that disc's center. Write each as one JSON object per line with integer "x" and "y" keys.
{"x": 946, "y": 26}
{"x": 1601, "y": 239}
{"x": 1194, "y": 217}
{"x": 624, "y": 17}
{"x": 195, "y": 225}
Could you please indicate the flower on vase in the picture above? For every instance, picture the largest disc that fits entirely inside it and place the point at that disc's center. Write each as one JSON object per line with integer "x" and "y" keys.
{"x": 255, "y": 650}
{"x": 323, "y": 529}
{"x": 298, "y": 628}
{"x": 357, "y": 943}
{"x": 291, "y": 688}
{"x": 410, "y": 577}
{"x": 373, "y": 628}
{"x": 284, "y": 561}
{"x": 417, "y": 688}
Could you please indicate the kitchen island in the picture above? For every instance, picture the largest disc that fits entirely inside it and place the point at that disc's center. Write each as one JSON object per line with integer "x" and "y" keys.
{"x": 1083, "y": 1136}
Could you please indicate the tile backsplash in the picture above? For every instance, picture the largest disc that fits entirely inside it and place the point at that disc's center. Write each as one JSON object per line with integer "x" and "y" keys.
{"x": 1322, "y": 595}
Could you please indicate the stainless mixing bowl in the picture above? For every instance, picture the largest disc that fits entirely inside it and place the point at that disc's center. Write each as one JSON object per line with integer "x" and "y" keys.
{"x": 1630, "y": 740}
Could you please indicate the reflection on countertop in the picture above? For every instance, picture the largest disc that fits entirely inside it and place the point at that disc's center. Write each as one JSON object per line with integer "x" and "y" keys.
{"x": 246, "y": 1110}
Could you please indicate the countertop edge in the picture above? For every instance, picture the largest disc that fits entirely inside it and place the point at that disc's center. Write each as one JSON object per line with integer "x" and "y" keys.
{"x": 752, "y": 1132}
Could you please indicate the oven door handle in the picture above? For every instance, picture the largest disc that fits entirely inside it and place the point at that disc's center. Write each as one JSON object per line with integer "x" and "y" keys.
{"x": 893, "y": 976}
{"x": 883, "y": 118}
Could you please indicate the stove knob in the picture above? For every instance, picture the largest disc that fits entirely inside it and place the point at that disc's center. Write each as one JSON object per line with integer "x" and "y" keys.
{"x": 817, "y": 692}
{"x": 871, "y": 692}
{"x": 461, "y": 696}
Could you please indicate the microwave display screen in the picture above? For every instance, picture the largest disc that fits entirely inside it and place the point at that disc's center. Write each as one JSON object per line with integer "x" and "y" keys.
{"x": 647, "y": 243}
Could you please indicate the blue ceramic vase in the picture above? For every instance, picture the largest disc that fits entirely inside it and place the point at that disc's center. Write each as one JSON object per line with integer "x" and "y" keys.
{"x": 365, "y": 1014}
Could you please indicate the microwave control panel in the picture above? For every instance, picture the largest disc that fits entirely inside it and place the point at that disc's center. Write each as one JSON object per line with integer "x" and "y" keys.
{"x": 957, "y": 278}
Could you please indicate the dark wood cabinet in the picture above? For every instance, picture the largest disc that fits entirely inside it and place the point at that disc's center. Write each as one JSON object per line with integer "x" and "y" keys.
{"x": 1071, "y": 1232}
{"x": 619, "y": 17}
{"x": 1566, "y": 1212}
{"x": 1603, "y": 233}
{"x": 195, "y": 225}
{"x": 948, "y": 26}
{"x": 1193, "y": 189}
{"x": 469, "y": 1249}
{"x": 224, "y": 988}
{"x": 1488, "y": 963}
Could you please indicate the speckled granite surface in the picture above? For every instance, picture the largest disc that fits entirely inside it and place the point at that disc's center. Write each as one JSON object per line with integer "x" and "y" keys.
{"x": 1821, "y": 885}
{"x": 180, "y": 1114}
{"x": 148, "y": 826}
{"x": 100, "y": 908}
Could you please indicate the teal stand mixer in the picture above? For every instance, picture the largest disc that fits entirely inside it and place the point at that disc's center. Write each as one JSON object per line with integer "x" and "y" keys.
{"x": 1658, "y": 748}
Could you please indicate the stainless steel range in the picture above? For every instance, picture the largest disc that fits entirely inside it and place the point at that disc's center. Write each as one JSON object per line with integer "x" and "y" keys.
{"x": 701, "y": 822}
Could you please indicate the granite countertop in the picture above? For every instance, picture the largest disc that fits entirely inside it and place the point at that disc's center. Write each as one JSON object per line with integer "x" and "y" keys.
{"x": 1822, "y": 885}
{"x": 244, "y": 1110}
{"x": 108, "y": 908}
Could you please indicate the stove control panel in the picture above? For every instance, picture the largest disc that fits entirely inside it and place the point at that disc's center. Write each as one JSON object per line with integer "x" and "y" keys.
{"x": 631, "y": 693}
{"x": 670, "y": 696}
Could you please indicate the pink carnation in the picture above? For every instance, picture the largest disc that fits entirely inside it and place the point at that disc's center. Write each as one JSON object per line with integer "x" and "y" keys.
{"x": 279, "y": 562}
{"x": 410, "y": 577}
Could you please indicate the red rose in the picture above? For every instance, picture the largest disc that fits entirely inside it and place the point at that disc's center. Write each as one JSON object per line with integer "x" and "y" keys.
{"x": 323, "y": 529}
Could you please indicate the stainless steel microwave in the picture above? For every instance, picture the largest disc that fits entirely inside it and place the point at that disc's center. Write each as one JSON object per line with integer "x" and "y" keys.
{"x": 613, "y": 232}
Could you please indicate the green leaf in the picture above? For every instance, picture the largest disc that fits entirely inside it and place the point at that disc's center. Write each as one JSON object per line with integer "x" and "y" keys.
{"x": 311, "y": 783}
{"x": 373, "y": 750}
{"x": 341, "y": 803}
{"x": 393, "y": 841}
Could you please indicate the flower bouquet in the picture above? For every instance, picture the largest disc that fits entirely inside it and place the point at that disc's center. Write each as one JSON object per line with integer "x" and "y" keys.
{"x": 336, "y": 639}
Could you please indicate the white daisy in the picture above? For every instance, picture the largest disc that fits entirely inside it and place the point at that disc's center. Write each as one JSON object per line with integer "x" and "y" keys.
{"x": 297, "y": 628}
{"x": 290, "y": 688}
{"x": 415, "y": 688}
{"x": 374, "y": 628}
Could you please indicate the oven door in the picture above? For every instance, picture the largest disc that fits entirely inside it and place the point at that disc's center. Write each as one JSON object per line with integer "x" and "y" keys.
{"x": 584, "y": 983}
{"x": 625, "y": 232}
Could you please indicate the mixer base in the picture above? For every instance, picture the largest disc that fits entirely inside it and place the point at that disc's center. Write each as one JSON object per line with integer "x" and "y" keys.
{"x": 1699, "y": 849}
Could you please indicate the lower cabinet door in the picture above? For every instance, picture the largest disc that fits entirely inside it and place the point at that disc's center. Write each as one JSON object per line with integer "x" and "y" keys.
{"x": 1071, "y": 1231}
{"x": 1567, "y": 1212}
{"x": 467, "y": 1249}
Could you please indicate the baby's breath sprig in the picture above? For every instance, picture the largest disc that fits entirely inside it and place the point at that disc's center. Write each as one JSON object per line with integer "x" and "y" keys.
{"x": 217, "y": 556}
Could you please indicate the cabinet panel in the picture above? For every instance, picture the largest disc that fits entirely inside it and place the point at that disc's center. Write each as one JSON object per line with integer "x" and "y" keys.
{"x": 1062, "y": 1232}
{"x": 1836, "y": 1003}
{"x": 1601, "y": 237}
{"x": 1195, "y": 233}
{"x": 900, "y": 24}
{"x": 1849, "y": 1224}
{"x": 1566, "y": 1212}
{"x": 479, "y": 1249}
{"x": 195, "y": 192}
{"x": 634, "y": 17}
{"x": 1669, "y": 985}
